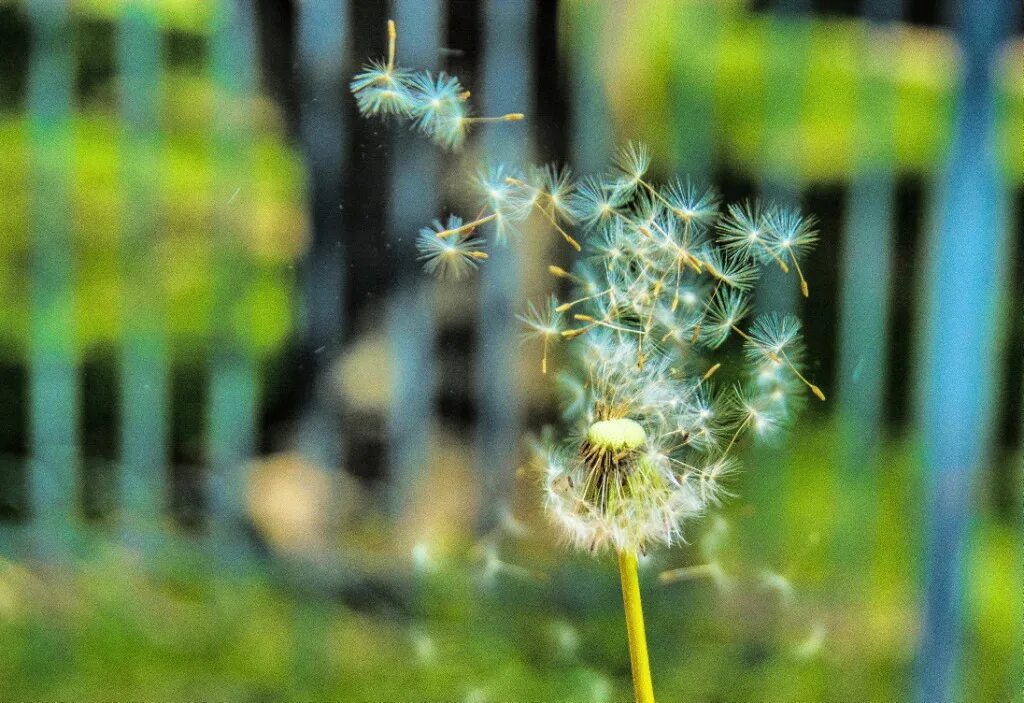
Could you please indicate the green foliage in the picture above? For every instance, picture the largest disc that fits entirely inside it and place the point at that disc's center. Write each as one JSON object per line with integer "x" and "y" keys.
{"x": 271, "y": 228}
{"x": 835, "y": 76}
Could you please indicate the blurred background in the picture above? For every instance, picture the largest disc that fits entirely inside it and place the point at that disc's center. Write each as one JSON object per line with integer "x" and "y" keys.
{"x": 248, "y": 451}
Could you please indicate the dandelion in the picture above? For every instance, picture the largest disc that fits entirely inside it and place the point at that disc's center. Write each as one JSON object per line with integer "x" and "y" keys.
{"x": 448, "y": 256}
{"x": 663, "y": 280}
{"x": 652, "y": 441}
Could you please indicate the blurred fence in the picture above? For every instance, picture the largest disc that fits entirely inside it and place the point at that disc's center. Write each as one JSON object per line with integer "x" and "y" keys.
{"x": 256, "y": 281}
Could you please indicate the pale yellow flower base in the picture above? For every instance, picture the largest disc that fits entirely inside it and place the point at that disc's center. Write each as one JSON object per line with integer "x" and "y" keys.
{"x": 643, "y": 689}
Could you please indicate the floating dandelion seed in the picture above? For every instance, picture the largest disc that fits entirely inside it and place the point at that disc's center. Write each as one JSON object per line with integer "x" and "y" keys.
{"x": 448, "y": 256}
{"x": 382, "y": 88}
{"x": 437, "y": 104}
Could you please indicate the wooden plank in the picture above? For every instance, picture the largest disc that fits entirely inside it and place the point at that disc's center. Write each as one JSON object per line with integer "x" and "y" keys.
{"x": 145, "y": 388}
{"x": 53, "y": 381}
{"x": 506, "y": 87}
{"x": 413, "y": 198}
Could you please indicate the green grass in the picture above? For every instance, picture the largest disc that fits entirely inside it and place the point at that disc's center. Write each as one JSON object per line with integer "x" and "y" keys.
{"x": 112, "y": 628}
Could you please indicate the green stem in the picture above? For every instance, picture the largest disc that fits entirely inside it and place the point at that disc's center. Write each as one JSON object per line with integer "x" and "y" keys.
{"x": 643, "y": 689}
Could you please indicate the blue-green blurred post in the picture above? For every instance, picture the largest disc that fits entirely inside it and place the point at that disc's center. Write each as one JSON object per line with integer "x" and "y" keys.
{"x": 787, "y": 47}
{"x": 507, "y": 71}
{"x": 53, "y": 382}
{"x": 592, "y": 138}
{"x": 323, "y": 27}
{"x": 145, "y": 417}
{"x": 322, "y": 30}
{"x": 413, "y": 200}
{"x": 233, "y": 391}
{"x": 865, "y": 289}
{"x": 964, "y": 286}
{"x": 691, "y": 87}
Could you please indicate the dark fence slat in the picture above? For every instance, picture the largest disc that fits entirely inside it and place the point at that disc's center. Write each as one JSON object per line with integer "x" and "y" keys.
{"x": 413, "y": 198}
{"x": 507, "y": 70}
{"x": 53, "y": 381}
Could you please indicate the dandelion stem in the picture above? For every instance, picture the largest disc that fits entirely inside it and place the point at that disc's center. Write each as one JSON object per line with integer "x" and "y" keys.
{"x": 510, "y": 117}
{"x": 466, "y": 227}
{"x": 392, "y": 38}
{"x": 804, "y": 288}
{"x": 643, "y": 689}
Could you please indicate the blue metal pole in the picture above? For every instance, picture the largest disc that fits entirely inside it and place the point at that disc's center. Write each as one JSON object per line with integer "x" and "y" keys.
{"x": 413, "y": 198}
{"x": 507, "y": 72}
{"x": 959, "y": 333}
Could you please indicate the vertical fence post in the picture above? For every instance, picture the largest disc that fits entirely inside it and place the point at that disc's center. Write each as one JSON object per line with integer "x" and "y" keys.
{"x": 323, "y": 25}
{"x": 412, "y": 193}
{"x": 786, "y": 51}
{"x": 53, "y": 383}
{"x": 507, "y": 72}
{"x": 592, "y": 138}
{"x": 964, "y": 281}
{"x": 692, "y": 85}
{"x": 232, "y": 412}
{"x": 145, "y": 419}
{"x": 865, "y": 288}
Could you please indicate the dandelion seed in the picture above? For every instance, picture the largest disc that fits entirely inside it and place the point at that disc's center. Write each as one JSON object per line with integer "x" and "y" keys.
{"x": 724, "y": 312}
{"x": 545, "y": 323}
{"x": 438, "y": 111}
{"x": 446, "y": 256}
{"x": 747, "y": 230}
{"x": 794, "y": 235}
{"x": 383, "y": 90}
{"x": 690, "y": 203}
{"x": 633, "y": 160}
{"x": 596, "y": 202}
{"x": 558, "y": 185}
